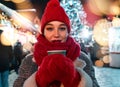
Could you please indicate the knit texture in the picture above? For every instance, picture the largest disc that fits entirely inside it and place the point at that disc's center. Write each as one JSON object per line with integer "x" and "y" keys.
{"x": 54, "y": 12}
{"x": 55, "y": 69}
{"x": 43, "y": 45}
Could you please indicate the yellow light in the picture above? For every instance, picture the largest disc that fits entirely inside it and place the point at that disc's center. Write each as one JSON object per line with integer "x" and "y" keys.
{"x": 5, "y": 40}
{"x": 106, "y": 59}
{"x": 17, "y": 1}
{"x": 115, "y": 10}
{"x": 99, "y": 7}
{"x": 116, "y": 22}
{"x": 8, "y": 37}
{"x": 100, "y": 32}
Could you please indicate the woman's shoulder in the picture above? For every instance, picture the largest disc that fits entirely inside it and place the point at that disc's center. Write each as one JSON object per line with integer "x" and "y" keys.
{"x": 89, "y": 66}
{"x": 27, "y": 65}
{"x": 89, "y": 69}
{"x": 85, "y": 57}
{"x": 28, "y": 61}
{"x": 28, "y": 58}
{"x": 30, "y": 55}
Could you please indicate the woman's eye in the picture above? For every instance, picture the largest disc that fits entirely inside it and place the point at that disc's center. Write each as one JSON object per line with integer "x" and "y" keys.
{"x": 63, "y": 28}
{"x": 49, "y": 29}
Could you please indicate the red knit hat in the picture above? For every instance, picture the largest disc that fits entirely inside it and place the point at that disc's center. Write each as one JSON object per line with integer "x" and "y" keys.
{"x": 57, "y": 68}
{"x": 54, "y": 12}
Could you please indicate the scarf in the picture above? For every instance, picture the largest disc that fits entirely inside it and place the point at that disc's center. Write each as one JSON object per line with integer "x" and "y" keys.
{"x": 43, "y": 45}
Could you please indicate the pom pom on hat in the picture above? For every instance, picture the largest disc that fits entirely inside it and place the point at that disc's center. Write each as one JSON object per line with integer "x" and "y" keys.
{"x": 57, "y": 67}
{"x": 54, "y": 12}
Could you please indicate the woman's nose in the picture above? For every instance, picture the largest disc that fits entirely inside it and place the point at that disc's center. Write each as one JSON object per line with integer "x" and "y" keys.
{"x": 56, "y": 33}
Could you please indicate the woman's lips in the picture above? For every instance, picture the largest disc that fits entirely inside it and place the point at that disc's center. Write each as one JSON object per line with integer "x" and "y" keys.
{"x": 56, "y": 41}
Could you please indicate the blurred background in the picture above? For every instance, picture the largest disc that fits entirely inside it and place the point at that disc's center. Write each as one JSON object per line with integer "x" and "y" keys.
{"x": 91, "y": 22}
{"x": 95, "y": 25}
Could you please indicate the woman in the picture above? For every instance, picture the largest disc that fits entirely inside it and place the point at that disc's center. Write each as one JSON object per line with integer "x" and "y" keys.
{"x": 55, "y": 35}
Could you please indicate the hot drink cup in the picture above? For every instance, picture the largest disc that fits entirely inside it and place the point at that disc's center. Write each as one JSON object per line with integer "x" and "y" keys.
{"x": 57, "y": 52}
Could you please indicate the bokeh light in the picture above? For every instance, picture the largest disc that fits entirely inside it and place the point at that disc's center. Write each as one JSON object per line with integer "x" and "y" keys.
{"x": 100, "y": 32}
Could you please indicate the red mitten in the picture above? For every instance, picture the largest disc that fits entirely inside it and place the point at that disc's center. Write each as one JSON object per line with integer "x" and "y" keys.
{"x": 57, "y": 68}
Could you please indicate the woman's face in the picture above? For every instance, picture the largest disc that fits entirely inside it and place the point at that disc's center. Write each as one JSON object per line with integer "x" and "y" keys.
{"x": 56, "y": 31}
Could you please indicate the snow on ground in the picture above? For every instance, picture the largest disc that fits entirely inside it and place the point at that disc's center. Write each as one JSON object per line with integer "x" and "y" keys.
{"x": 12, "y": 78}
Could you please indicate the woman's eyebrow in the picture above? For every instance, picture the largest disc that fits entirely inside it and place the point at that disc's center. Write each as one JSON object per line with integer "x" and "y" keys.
{"x": 62, "y": 24}
{"x": 49, "y": 24}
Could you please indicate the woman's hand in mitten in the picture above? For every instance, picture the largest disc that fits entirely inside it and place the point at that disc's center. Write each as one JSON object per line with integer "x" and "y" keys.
{"x": 55, "y": 67}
